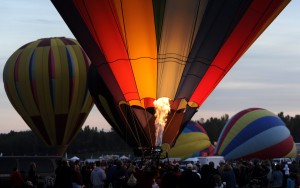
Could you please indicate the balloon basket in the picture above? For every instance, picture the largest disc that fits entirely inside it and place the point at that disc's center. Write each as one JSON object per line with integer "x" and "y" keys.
{"x": 149, "y": 153}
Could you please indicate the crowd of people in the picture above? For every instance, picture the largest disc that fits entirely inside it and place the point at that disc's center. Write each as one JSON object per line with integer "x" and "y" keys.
{"x": 167, "y": 174}
{"x": 19, "y": 181}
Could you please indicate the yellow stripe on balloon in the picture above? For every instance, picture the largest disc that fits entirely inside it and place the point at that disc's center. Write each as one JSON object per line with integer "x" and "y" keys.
{"x": 59, "y": 80}
{"x": 190, "y": 137}
{"x": 63, "y": 90}
{"x": 188, "y": 148}
{"x": 180, "y": 26}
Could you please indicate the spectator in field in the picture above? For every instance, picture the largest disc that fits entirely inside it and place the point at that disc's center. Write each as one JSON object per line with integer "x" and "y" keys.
{"x": 32, "y": 175}
{"x": 258, "y": 176}
{"x": 293, "y": 167}
{"x": 119, "y": 176}
{"x": 76, "y": 175}
{"x": 86, "y": 174}
{"x": 291, "y": 181}
{"x": 286, "y": 174}
{"x": 207, "y": 178}
{"x": 16, "y": 179}
{"x": 277, "y": 177}
{"x": 242, "y": 176}
{"x": 228, "y": 176}
{"x": 63, "y": 177}
{"x": 98, "y": 176}
{"x": 169, "y": 178}
{"x": 188, "y": 178}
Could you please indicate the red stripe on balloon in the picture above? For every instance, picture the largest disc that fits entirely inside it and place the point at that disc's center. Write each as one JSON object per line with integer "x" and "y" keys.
{"x": 278, "y": 150}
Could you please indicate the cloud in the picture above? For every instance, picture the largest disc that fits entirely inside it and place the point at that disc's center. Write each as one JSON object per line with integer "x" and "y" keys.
{"x": 256, "y": 85}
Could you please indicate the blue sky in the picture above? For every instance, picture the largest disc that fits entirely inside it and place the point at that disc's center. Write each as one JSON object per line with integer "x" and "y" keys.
{"x": 267, "y": 76}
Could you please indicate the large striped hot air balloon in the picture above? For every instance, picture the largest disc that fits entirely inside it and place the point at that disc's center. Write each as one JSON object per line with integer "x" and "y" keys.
{"x": 46, "y": 82}
{"x": 146, "y": 50}
{"x": 255, "y": 133}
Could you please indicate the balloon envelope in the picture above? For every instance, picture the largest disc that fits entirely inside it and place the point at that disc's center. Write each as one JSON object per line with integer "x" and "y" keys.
{"x": 255, "y": 133}
{"x": 192, "y": 142}
{"x": 144, "y": 50}
{"x": 46, "y": 82}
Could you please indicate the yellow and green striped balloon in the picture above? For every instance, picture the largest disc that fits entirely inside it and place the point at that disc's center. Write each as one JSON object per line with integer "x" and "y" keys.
{"x": 46, "y": 82}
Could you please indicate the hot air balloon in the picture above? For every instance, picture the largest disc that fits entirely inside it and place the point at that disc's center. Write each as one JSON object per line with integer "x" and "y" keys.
{"x": 255, "y": 133}
{"x": 176, "y": 50}
{"x": 46, "y": 82}
{"x": 192, "y": 142}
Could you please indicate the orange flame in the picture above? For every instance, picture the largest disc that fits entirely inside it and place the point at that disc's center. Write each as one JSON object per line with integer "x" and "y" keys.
{"x": 162, "y": 108}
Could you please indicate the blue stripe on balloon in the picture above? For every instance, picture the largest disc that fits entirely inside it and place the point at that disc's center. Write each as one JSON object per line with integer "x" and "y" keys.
{"x": 260, "y": 142}
{"x": 70, "y": 64}
{"x": 190, "y": 127}
{"x": 253, "y": 128}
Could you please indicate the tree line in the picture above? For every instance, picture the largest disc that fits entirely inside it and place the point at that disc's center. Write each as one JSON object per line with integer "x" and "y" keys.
{"x": 87, "y": 143}
{"x": 93, "y": 142}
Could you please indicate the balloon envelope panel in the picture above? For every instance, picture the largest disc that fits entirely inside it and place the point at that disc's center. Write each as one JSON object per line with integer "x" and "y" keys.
{"x": 46, "y": 82}
{"x": 255, "y": 133}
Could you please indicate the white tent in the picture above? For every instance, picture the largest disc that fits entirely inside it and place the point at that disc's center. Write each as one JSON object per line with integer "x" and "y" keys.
{"x": 124, "y": 157}
{"x": 74, "y": 158}
{"x": 193, "y": 159}
{"x": 91, "y": 160}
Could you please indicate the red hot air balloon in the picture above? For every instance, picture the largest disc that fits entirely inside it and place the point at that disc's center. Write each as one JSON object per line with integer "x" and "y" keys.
{"x": 145, "y": 50}
{"x": 46, "y": 82}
